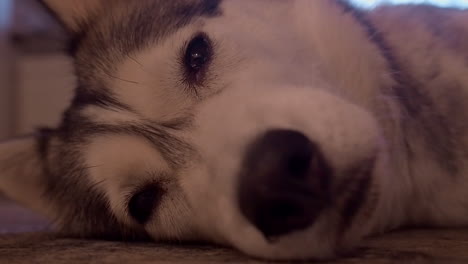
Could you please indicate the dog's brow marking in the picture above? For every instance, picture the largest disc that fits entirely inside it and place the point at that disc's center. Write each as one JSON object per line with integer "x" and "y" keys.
{"x": 173, "y": 149}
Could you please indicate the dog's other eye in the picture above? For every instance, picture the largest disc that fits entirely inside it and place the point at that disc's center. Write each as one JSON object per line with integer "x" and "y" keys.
{"x": 143, "y": 203}
{"x": 197, "y": 57}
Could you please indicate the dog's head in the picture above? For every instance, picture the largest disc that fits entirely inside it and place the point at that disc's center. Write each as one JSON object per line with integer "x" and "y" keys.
{"x": 247, "y": 123}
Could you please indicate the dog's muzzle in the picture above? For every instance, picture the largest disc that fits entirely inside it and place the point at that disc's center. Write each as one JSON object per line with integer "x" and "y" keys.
{"x": 285, "y": 183}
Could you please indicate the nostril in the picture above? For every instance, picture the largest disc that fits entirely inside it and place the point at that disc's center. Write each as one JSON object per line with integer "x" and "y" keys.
{"x": 276, "y": 218}
{"x": 284, "y": 208}
{"x": 283, "y": 184}
{"x": 290, "y": 151}
{"x": 298, "y": 164}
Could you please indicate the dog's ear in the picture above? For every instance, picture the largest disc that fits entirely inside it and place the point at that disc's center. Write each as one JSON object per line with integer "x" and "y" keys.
{"x": 22, "y": 173}
{"x": 74, "y": 14}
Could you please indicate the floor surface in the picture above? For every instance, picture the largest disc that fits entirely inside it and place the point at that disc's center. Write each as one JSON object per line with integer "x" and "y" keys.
{"x": 23, "y": 239}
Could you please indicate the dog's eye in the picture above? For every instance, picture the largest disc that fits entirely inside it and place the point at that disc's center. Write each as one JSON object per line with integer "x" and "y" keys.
{"x": 143, "y": 203}
{"x": 197, "y": 57}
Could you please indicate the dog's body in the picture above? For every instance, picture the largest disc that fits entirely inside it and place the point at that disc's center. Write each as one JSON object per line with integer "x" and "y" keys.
{"x": 286, "y": 129}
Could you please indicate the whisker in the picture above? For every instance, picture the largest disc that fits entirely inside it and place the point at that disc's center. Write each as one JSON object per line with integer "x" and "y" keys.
{"x": 139, "y": 64}
{"x": 128, "y": 81}
{"x": 91, "y": 167}
{"x": 91, "y": 187}
{"x": 123, "y": 80}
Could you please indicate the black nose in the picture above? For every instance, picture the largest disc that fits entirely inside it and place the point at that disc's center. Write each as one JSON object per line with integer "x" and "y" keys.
{"x": 284, "y": 183}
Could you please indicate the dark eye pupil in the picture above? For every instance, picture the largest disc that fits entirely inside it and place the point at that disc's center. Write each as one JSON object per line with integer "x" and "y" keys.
{"x": 198, "y": 54}
{"x": 197, "y": 61}
{"x": 143, "y": 204}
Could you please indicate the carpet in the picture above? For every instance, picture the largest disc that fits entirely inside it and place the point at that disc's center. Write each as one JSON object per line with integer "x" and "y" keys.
{"x": 24, "y": 239}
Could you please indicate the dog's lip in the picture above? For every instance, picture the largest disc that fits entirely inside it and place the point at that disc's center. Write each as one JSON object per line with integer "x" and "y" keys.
{"x": 354, "y": 188}
{"x": 361, "y": 170}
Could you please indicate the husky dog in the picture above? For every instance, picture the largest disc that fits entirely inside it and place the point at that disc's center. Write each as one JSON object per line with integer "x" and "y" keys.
{"x": 286, "y": 129}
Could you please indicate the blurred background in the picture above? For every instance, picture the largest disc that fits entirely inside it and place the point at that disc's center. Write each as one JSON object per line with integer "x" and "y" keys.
{"x": 36, "y": 79}
{"x": 443, "y": 3}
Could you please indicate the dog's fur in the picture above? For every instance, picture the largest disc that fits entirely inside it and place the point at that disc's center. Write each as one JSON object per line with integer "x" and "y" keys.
{"x": 384, "y": 90}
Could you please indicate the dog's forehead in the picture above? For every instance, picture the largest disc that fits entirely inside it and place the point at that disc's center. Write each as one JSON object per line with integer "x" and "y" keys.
{"x": 131, "y": 25}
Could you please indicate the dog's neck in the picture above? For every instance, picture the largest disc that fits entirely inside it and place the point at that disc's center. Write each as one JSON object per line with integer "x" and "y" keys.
{"x": 375, "y": 72}
{"x": 428, "y": 132}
